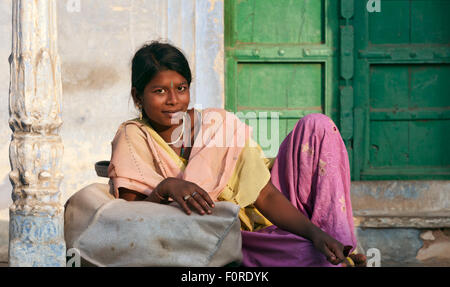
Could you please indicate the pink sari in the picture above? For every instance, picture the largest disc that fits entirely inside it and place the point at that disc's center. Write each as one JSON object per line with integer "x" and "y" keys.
{"x": 140, "y": 163}
{"x": 312, "y": 171}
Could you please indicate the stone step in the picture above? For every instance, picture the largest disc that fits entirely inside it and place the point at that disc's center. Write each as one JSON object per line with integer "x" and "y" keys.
{"x": 408, "y": 222}
{"x": 401, "y": 204}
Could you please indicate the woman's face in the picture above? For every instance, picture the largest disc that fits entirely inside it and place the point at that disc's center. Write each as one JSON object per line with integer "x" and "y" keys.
{"x": 165, "y": 98}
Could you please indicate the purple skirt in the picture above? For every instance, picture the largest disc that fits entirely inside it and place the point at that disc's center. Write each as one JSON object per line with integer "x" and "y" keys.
{"x": 312, "y": 170}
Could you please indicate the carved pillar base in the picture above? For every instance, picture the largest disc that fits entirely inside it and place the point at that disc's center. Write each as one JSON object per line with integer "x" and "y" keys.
{"x": 36, "y": 241}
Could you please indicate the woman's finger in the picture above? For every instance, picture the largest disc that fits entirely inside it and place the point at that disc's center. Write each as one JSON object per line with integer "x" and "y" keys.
{"x": 329, "y": 254}
{"x": 180, "y": 200}
{"x": 202, "y": 202}
{"x": 195, "y": 204}
{"x": 205, "y": 196}
{"x": 337, "y": 249}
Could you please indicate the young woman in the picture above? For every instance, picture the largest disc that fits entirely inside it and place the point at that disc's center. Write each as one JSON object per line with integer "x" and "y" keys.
{"x": 295, "y": 211}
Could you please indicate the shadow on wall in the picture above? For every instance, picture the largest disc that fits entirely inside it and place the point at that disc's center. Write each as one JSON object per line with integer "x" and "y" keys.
{"x": 86, "y": 77}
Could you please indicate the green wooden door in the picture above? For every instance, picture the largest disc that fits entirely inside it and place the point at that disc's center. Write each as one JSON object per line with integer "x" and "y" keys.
{"x": 382, "y": 77}
{"x": 280, "y": 58}
{"x": 402, "y": 90}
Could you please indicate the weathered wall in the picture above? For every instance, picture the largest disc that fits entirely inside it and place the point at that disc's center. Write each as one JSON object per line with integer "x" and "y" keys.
{"x": 407, "y": 221}
{"x": 97, "y": 40}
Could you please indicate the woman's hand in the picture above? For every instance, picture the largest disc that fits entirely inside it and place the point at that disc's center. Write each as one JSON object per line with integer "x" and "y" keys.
{"x": 187, "y": 194}
{"x": 271, "y": 201}
{"x": 330, "y": 247}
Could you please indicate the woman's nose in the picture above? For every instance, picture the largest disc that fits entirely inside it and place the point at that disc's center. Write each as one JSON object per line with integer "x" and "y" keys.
{"x": 172, "y": 97}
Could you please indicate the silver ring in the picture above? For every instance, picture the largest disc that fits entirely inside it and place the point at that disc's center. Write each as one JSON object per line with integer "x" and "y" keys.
{"x": 194, "y": 193}
{"x": 186, "y": 197}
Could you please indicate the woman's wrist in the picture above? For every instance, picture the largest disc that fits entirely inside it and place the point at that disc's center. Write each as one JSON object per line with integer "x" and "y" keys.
{"x": 312, "y": 232}
{"x": 158, "y": 195}
{"x": 163, "y": 199}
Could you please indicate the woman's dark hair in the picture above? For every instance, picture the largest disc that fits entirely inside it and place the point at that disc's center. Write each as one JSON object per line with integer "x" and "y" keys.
{"x": 152, "y": 58}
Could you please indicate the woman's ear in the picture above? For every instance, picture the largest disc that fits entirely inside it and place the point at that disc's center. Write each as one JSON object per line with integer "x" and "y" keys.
{"x": 136, "y": 99}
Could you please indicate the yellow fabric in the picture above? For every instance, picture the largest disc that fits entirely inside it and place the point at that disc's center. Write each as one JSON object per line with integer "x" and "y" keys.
{"x": 181, "y": 162}
{"x": 249, "y": 177}
{"x": 350, "y": 261}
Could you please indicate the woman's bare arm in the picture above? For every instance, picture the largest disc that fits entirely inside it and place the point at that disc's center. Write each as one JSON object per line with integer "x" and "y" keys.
{"x": 276, "y": 208}
{"x": 131, "y": 195}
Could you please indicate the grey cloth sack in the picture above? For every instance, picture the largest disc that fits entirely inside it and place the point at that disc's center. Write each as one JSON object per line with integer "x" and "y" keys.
{"x": 115, "y": 232}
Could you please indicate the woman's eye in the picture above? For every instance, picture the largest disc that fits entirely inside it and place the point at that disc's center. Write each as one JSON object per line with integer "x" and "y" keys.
{"x": 159, "y": 91}
{"x": 181, "y": 88}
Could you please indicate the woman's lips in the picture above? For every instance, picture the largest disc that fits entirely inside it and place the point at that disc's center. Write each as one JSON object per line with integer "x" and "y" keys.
{"x": 176, "y": 115}
{"x": 171, "y": 112}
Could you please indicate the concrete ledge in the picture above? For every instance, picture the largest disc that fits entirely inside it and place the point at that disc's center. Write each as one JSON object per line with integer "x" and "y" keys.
{"x": 405, "y": 247}
{"x": 401, "y": 204}
{"x": 402, "y": 221}
{"x": 407, "y": 221}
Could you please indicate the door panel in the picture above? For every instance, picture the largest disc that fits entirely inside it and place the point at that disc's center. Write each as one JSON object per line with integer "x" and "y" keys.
{"x": 415, "y": 88}
{"x": 412, "y": 144}
{"x": 281, "y": 21}
{"x": 392, "y": 32}
{"x": 402, "y": 123}
{"x": 281, "y": 58}
{"x": 410, "y": 22}
{"x": 279, "y": 86}
{"x": 430, "y": 22}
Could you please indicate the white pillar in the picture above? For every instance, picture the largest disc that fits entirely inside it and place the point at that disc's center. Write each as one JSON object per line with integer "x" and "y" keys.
{"x": 36, "y": 216}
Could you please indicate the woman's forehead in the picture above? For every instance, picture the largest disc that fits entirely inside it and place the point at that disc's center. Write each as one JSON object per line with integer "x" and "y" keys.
{"x": 167, "y": 78}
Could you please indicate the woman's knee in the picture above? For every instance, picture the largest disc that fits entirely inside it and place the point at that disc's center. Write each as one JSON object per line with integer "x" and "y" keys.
{"x": 317, "y": 120}
{"x": 315, "y": 117}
